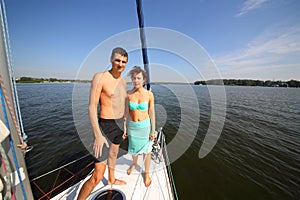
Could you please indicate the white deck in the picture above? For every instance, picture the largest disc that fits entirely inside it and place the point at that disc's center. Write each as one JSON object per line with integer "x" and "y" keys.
{"x": 134, "y": 189}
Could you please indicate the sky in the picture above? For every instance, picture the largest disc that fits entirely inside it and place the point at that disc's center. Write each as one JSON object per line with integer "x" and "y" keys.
{"x": 187, "y": 40}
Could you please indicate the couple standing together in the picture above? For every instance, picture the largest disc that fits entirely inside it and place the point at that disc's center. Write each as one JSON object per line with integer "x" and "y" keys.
{"x": 122, "y": 114}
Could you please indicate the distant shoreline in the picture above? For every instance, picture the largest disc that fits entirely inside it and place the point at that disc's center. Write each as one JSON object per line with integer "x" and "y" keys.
{"x": 48, "y": 80}
{"x": 227, "y": 82}
{"x": 249, "y": 82}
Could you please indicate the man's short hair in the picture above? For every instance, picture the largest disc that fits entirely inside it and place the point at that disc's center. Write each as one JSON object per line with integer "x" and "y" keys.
{"x": 119, "y": 50}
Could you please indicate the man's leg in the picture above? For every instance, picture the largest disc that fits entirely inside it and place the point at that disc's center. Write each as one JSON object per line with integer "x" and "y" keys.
{"x": 90, "y": 184}
{"x": 112, "y": 159}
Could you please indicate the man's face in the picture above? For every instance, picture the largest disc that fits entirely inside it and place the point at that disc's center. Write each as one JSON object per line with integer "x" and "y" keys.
{"x": 119, "y": 62}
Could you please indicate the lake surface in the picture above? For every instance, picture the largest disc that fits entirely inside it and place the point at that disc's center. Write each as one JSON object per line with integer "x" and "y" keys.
{"x": 257, "y": 155}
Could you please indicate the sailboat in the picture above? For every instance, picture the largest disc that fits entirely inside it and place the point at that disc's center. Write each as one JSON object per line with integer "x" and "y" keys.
{"x": 14, "y": 179}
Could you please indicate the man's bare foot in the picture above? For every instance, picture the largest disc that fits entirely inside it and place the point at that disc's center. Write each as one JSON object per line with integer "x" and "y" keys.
{"x": 130, "y": 169}
{"x": 117, "y": 182}
{"x": 147, "y": 180}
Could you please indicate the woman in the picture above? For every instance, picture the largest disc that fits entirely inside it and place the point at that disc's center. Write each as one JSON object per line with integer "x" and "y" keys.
{"x": 140, "y": 117}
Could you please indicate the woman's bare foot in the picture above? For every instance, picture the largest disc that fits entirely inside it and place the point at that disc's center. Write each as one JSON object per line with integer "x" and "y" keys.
{"x": 130, "y": 169}
{"x": 147, "y": 180}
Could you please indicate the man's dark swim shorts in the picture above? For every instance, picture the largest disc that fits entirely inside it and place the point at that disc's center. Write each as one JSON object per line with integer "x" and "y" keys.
{"x": 112, "y": 129}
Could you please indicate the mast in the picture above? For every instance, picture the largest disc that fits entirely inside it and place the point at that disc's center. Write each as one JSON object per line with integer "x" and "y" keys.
{"x": 143, "y": 40}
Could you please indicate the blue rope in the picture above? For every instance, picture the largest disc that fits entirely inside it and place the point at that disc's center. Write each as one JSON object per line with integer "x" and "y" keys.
{"x": 11, "y": 143}
{"x": 143, "y": 40}
{"x": 2, "y": 13}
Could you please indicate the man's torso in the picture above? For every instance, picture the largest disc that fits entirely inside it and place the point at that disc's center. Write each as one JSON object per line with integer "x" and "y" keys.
{"x": 112, "y": 97}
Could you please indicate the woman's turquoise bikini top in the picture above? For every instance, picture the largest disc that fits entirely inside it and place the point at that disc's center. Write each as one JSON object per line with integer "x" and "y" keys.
{"x": 138, "y": 106}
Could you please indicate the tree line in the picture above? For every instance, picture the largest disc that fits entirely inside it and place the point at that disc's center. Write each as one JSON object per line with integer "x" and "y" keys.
{"x": 247, "y": 82}
{"x": 45, "y": 80}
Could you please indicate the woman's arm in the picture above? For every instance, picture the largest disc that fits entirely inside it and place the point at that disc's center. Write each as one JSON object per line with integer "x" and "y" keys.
{"x": 152, "y": 115}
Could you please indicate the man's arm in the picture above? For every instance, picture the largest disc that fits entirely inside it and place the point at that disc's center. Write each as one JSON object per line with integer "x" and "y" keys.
{"x": 95, "y": 92}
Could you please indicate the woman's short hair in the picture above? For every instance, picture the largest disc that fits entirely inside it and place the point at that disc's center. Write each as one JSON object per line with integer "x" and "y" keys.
{"x": 137, "y": 70}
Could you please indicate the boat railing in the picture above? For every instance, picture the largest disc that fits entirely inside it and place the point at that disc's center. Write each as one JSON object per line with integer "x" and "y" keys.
{"x": 161, "y": 146}
{"x": 54, "y": 182}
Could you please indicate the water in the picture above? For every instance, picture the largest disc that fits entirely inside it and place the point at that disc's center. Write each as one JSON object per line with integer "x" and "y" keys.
{"x": 257, "y": 155}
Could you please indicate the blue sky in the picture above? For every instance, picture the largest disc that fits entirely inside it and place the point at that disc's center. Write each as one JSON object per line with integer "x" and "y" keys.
{"x": 245, "y": 39}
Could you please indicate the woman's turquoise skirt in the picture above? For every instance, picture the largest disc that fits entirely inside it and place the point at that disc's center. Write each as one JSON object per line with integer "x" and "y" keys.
{"x": 139, "y": 137}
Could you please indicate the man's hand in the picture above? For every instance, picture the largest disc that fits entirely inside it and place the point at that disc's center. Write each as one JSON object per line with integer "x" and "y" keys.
{"x": 98, "y": 145}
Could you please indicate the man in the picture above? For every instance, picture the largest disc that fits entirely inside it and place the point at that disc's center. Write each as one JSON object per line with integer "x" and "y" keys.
{"x": 109, "y": 89}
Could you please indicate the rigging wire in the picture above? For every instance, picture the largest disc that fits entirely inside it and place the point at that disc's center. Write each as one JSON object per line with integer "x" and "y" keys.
{"x": 169, "y": 167}
{"x": 11, "y": 74}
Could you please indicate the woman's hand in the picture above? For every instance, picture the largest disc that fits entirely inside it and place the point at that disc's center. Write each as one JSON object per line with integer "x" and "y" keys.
{"x": 153, "y": 135}
{"x": 124, "y": 136}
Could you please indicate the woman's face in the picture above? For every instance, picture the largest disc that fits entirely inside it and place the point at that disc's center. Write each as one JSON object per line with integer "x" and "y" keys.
{"x": 138, "y": 80}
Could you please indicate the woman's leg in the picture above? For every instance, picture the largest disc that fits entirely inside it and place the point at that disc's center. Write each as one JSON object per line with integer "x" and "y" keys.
{"x": 134, "y": 164}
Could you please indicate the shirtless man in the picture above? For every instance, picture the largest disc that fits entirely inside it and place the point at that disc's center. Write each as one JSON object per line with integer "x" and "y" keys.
{"x": 109, "y": 89}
